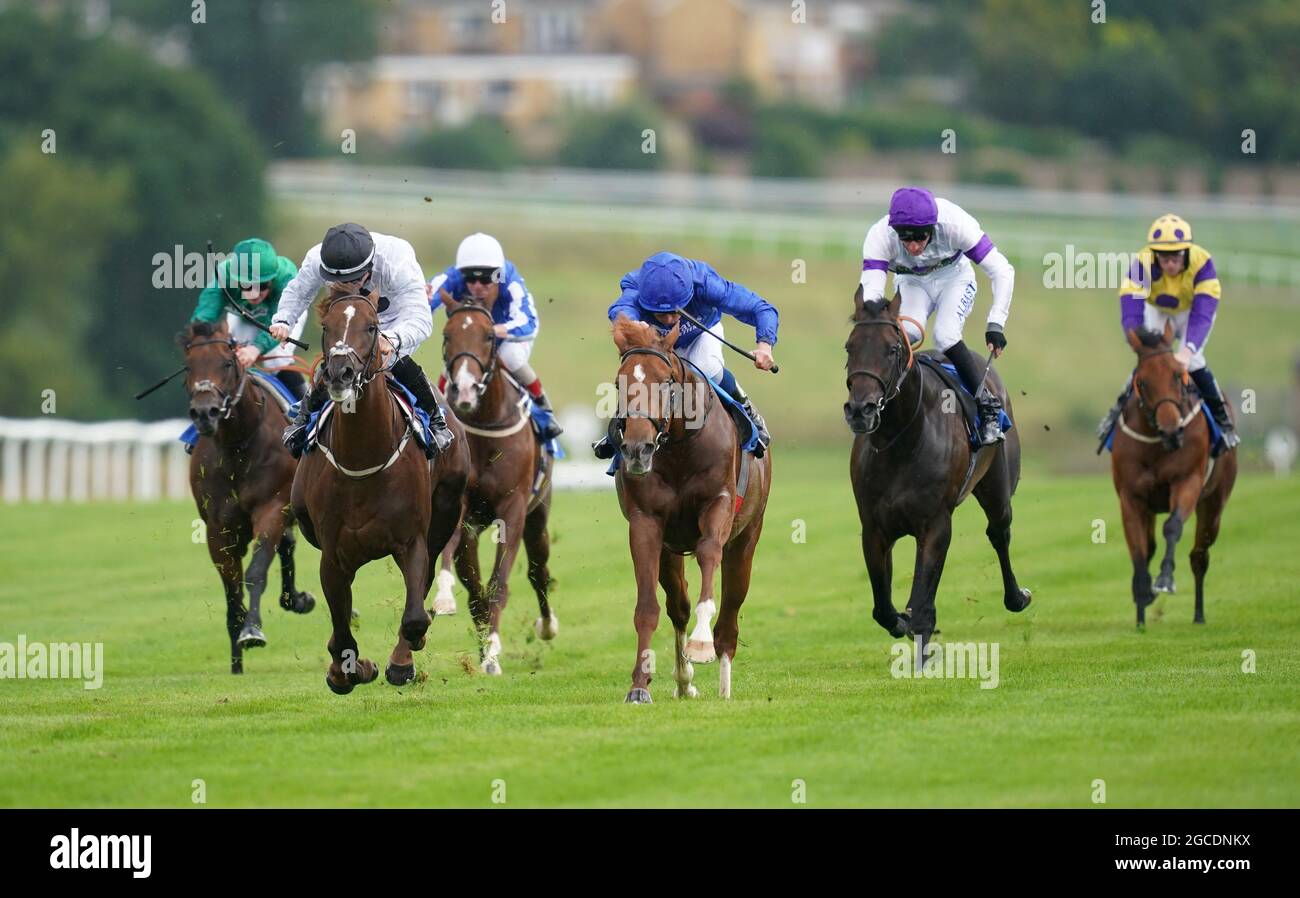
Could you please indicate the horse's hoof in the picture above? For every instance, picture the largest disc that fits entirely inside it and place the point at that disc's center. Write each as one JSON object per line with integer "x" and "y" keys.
{"x": 691, "y": 692}
{"x": 699, "y": 651}
{"x": 547, "y": 627}
{"x": 1164, "y": 584}
{"x": 1198, "y": 619}
{"x": 638, "y": 697}
{"x": 492, "y": 667}
{"x": 251, "y": 638}
{"x": 443, "y": 605}
{"x": 399, "y": 674}
{"x": 303, "y": 602}
{"x": 368, "y": 672}
{"x": 902, "y": 626}
{"x": 237, "y": 667}
{"x": 339, "y": 690}
{"x": 1024, "y": 599}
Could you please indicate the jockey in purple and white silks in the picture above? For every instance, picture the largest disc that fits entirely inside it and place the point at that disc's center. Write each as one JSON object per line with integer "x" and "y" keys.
{"x": 667, "y": 283}
{"x": 929, "y": 244}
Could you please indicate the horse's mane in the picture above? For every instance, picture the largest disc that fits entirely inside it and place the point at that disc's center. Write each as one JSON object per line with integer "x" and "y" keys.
{"x": 196, "y": 329}
{"x": 635, "y": 333}
{"x": 1150, "y": 339}
{"x": 870, "y": 309}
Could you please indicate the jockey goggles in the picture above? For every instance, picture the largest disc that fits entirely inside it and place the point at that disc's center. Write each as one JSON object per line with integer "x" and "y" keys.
{"x": 481, "y": 275}
{"x": 914, "y": 232}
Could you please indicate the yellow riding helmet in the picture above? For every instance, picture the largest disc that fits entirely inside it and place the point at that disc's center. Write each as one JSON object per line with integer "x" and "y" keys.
{"x": 1169, "y": 233}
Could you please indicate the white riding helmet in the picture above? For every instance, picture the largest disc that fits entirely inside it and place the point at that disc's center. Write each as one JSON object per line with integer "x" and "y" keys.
{"x": 480, "y": 251}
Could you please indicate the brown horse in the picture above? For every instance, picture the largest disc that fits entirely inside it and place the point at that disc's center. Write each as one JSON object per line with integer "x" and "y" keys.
{"x": 368, "y": 492}
{"x": 240, "y": 475}
{"x": 1161, "y": 463}
{"x": 510, "y": 481}
{"x": 685, "y": 485}
{"x": 913, "y": 464}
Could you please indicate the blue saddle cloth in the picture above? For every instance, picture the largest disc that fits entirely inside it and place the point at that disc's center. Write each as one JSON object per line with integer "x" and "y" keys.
{"x": 972, "y": 418}
{"x": 190, "y": 436}
{"x": 320, "y": 419}
{"x": 748, "y": 439}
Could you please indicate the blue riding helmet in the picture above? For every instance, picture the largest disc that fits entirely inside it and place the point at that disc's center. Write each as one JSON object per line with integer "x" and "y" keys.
{"x": 666, "y": 283}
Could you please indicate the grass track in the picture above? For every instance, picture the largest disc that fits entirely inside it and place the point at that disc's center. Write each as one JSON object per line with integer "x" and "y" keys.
{"x": 1166, "y": 718}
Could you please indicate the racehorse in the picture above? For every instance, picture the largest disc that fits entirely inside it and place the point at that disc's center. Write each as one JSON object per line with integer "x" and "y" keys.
{"x": 912, "y": 464}
{"x": 370, "y": 492}
{"x": 240, "y": 474}
{"x": 685, "y": 485}
{"x": 510, "y": 479}
{"x": 1163, "y": 464}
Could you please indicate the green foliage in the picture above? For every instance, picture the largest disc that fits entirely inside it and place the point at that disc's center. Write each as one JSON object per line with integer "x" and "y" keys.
{"x": 784, "y": 150}
{"x": 613, "y": 139}
{"x": 194, "y": 174}
{"x": 484, "y": 143}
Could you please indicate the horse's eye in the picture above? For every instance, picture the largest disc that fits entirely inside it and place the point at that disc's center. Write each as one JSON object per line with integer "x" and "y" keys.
{"x": 371, "y": 329}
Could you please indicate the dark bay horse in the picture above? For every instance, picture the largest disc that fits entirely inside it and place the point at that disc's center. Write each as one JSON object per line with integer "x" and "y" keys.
{"x": 510, "y": 477}
{"x": 240, "y": 474}
{"x": 1161, "y": 463}
{"x": 913, "y": 464}
{"x": 678, "y": 484}
{"x": 370, "y": 493}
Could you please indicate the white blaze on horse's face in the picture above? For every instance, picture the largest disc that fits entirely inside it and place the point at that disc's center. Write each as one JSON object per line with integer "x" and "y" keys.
{"x": 639, "y": 373}
{"x": 467, "y": 388}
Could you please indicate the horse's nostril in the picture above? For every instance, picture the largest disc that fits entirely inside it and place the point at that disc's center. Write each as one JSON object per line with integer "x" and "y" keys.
{"x": 193, "y": 414}
{"x": 214, "y": 412}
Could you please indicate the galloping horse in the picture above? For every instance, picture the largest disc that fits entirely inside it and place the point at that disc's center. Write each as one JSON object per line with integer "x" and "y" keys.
{"x": 371, "y": 493}
{"x": 685, "y": 485}
{"x": 510, "y": 480}
{"x": 1163, "y": 464}
{"x": 240, "y": 477}
{"x": 913, "y": 464}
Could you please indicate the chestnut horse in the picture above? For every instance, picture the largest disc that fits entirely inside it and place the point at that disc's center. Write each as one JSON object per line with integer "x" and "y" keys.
{"x": 240, "y": 475}
{"x": 1161, "y": 463}
{"x": 913, "y": 464}
{"x": 678, "y": 483}
{"x": 370, "y": 493}
{"x": 510, "y": 479}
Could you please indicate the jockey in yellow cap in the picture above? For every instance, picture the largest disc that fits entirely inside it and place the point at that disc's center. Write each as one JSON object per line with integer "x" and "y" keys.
{"x": 1174, "y": 281}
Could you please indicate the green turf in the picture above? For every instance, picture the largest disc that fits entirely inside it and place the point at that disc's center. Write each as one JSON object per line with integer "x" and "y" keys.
{"x": 1165, "y": 717}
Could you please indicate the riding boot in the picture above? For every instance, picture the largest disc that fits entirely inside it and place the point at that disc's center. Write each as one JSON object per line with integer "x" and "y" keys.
{"x": 295, "y": 435}
{"x": 1212, "y": 397}
{"x": 295, "y": 382}
{"x": 552, "y": 428}
{"x": 764, "y": 438}
{"x": 990, "y": 407}
{"x": 412, "y": 376}
{"x": 1111, "y": 419}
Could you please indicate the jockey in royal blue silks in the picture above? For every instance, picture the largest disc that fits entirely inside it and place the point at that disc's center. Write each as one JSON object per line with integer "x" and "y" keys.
{"x": 666, "y": 284}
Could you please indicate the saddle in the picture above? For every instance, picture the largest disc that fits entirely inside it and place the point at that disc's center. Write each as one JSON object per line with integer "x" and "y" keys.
{"x": 416, "y": 419}
{"x": 947, "y": 373}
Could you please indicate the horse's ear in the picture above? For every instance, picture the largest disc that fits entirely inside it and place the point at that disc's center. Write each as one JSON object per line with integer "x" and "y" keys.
{"x": 895, "y": 304}
{"x": 1169, "y": 333}
{"x": 183, "y": 340}
{"x": 668, "y": 340}
{"x": 858, "y": 299}
{"x": 1134, "y": 340}
{"x": 447, "y": 299}
{"x": 622, "y": 327}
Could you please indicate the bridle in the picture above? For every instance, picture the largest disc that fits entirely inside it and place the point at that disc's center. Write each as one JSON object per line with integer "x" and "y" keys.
{"x": 890, "y": 389}
{"x": 340, "y": 348}
{"x": 489, "y": 367}
{"x": 228, "y": 400}
{"x": 1149, "y": 410}
{"x": 663, "y": 423}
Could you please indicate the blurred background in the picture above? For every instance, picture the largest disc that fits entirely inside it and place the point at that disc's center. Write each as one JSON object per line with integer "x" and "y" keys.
{"x": 764, "y": 136}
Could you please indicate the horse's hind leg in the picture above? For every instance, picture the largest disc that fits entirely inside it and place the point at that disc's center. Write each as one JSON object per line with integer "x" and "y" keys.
{"x": 994, "y": 495}
{"x": 1209, "y": 513}
{"x": 672, "y": 577}
{"x": 348, "y": 668}
{"x": 444, "y": 601}
{"x": 467, "y": 570}
{"x": 509, "y": 536}
{"x": 444, "y": 537}
{"x": 737, "y": 565}
{"x": 537, "y": 545}
{"x": 291, "y": 598}
{"x": 879, "y": 555}
{"x": 230, "y": 566}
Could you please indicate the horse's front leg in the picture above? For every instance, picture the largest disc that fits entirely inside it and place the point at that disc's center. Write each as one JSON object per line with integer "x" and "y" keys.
{"x": 269, "y": 527}
{"x": 1182, "y": 501}
{"x": 878, "y": 551}
{"x": 347, "y": 669}
{"x": 931, "y": 553}
{"x": 1137, "y": 534}
{"x": 715, "y": 524}
{"x": 291, "y": 598}
{"x": 414, "y": 561}
{"x": 646, "y": 538}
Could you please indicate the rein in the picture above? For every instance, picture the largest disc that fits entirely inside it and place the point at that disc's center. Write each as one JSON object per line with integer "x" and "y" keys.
{"x": 489, "y": 369}
{"x": 663, "y": 424}
{"x": 889, "y": 390}
{"x": 1149, "y": 411}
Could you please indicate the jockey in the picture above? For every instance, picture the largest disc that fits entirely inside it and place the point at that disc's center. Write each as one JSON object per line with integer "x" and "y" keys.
{"x": 252, "y": 278}
{"x": 1185, "y": 293}
{"x": 929, "y": 244}
{"x": 666, "y": 284}
{"x": 352, "y": 256}
{"x": 481, "y": 274}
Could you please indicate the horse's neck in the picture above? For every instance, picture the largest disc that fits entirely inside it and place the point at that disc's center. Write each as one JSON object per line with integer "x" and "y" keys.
{"x": 244, "y": 420}
{"x": 368, "y": 427}
{"x": 898, "y": 424}
{"x": 677, "y": 429}
{"x": 499, "y": 400}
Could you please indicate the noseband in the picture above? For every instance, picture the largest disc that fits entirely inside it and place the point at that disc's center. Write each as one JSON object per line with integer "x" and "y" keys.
{"x": 1183, "y": 400}
{"x": 889, "y": 390}
{"x": 228, "y": 400}
{"x": 662, "y": 423}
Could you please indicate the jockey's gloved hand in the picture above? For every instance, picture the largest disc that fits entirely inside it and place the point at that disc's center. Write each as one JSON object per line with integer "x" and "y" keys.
{"x": 994, "y": 337}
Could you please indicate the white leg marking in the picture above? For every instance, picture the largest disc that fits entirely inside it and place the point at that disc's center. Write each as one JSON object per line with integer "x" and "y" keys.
{"x": 724, "y": 676}
{"x": 700, "y": 646}
{"x": 492, "y": 654}
{"x": 547, "y": 627}
{"x": 445, "y": 600}
{"x": 683, "y": 672}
